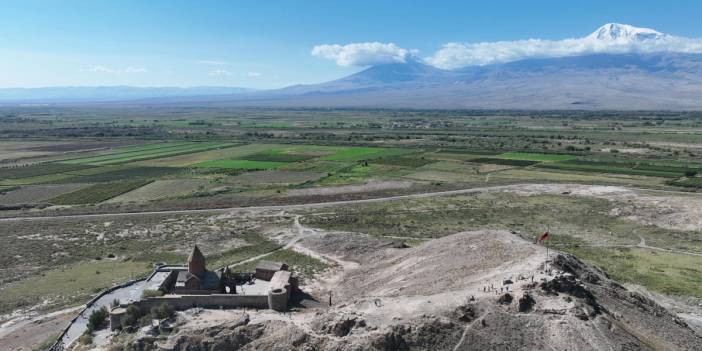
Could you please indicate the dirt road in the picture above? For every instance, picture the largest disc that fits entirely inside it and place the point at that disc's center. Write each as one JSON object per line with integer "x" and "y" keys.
{"x": 515, "y": 187}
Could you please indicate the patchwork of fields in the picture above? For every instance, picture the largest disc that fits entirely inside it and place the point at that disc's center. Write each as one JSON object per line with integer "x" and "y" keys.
{"x": 140, "y": 153}
{"x": 113, "y": 194}
{"x": 172, "y": 170}
{"x": 156, "y": 171}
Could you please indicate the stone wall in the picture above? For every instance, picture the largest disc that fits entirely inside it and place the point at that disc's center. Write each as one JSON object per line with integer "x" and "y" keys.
{"x": 183, "y": 302}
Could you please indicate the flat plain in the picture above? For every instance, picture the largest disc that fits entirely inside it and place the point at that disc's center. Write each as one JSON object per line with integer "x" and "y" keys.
{"x": 106, "y": 209}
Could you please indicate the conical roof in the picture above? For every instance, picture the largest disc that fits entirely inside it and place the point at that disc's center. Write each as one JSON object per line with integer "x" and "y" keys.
{"x": 196, "y": 255}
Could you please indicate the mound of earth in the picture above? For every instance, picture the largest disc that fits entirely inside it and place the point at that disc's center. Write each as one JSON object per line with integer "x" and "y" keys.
{"x": 485, "y": 290}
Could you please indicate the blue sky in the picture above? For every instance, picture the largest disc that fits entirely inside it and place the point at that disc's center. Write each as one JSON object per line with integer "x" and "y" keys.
{"x": 267, "y": 44}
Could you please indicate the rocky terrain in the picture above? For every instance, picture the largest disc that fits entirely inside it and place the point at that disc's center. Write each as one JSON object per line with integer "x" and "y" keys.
{"x": 482, "y": 290}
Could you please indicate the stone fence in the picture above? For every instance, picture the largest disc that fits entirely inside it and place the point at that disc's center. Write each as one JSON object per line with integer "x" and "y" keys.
{"x": 184, "y": 302}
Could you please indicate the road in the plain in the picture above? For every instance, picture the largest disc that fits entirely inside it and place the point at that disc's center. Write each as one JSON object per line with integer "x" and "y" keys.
{"x": 321, "y": 204}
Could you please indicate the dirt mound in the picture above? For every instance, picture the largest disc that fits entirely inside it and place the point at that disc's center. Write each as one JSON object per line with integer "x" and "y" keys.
{"x": 486, "y": 290}
{"x": 451, "y": 263}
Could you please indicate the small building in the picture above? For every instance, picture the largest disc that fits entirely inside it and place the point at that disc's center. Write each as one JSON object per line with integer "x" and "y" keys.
{"x": 266, "y": 269}
{"x": 197, "y": 279}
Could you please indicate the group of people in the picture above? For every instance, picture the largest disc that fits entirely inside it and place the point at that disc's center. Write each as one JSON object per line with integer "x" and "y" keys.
{"x": 505, "y": 287}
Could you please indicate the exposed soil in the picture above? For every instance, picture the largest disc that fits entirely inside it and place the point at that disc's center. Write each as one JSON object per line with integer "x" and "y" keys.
{"x": 447, "y": 294}
{"x": 27, "y": 332}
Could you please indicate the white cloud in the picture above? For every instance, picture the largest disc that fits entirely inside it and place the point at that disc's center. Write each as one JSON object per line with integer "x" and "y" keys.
{"x": 610, "y": 38}
{"x": 213, "y": 62}
{"x": 220, "y": 73}
{"x": 254, "y": 74}
{"x": 100, "y": 69}
{"x": 362, "y": 54}
{"x": 132, "y": 69}
{"x": 104, "y": 69}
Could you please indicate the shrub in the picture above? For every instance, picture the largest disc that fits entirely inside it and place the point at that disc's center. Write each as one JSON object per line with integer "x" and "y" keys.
{"x": 145, "y": 320}
{"x": 86, "y": 338}
{"x": 131, "y": 317}
{"x": 151, "y": 293}
{"x": 97, "y": 318}
{"x": 163, "y": 311}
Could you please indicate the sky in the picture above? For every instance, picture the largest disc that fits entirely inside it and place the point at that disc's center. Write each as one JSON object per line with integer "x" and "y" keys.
{"x": 271, "y": 44}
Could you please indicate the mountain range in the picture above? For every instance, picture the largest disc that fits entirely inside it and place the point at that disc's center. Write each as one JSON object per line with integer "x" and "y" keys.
{"x": 108, "y": 93}
{"x": 626, "y": 79}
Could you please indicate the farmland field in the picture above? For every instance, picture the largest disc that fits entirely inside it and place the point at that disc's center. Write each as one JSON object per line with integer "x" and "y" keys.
{"x": 404, "y": 161}
{"x": 534, "y": 156}
{"x": 110, "y": 174}
{"x": 623, "y": 168}
{"x": 363, "y": 153}
{"x": 161, "y": 189}
{"x": 38, "y": 170}
{"x": 147, "y": 152}
{"x": 42, "y": 179}
{"x": 240, "y": 164}
{"x": 198, "y": 157}
{"x": 274, "y": 177}
{"x": 34, "y": 149}
{"x": 97, "y": 193}
{"x": 688, "y": 182}
{"x": 278, "y": 157}
{"x": 33, "y": 194}
{"x": 504, "y": 162}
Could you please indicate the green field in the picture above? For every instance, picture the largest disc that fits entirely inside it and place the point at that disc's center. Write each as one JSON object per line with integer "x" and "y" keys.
{"x": 71, "y": 284}
{"x": 38, "y": 170}
{"x": 687, "y": 182}
{"x": 289, "y": 156}
{"x": 97, "y": 193}
{"x": 404, "y": 161}
{"x": 503, "y": 162}
{"x": 111, "y": 174}
{"x": 278, "y": 157}
{"x": 363, "y": 153}
{"x": 664, "y": 272}
{"x": 469, "y": 152}
{"x": 43, "y": 179}
{"x": 527, "y": 156}
{"x": 240, "y": 164}
{"x": 145, "y": 153}
{"x": 621, "y": 168}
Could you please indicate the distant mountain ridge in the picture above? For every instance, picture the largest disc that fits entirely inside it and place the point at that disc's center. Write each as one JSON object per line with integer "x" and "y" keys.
{"x": 620, "y": 69}
{"x": 632, "y": 76}
{"x": 109, "y": 93}
{"x": 600, "y": 81}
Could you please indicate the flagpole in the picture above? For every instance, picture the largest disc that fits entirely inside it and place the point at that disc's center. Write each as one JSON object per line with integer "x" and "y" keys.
{"x": 548, "y": 230}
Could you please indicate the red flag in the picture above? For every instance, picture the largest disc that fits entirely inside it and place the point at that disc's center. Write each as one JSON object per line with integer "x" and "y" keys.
{"x": 543, "y": 236}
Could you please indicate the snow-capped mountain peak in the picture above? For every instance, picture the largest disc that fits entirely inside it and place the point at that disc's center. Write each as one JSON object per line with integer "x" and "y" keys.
{"x": 624, "y": 33}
